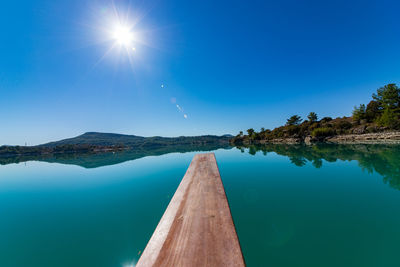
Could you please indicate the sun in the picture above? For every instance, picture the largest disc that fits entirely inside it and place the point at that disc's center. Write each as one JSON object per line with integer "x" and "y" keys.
{"x": 123, "y": 35}
{"x": 119, "y": 33}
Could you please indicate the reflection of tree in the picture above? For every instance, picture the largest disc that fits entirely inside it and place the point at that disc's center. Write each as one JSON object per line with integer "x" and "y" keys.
{"x": 298, "y": 161}
{"x": 252, "y": 150}
{"x": 317, "y": 163}
{"x": 382, "y": 159}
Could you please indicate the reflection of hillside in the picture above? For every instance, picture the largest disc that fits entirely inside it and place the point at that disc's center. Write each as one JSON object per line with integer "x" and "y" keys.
{"x": 94, "y": 160}
{"x": 383, "y": 159}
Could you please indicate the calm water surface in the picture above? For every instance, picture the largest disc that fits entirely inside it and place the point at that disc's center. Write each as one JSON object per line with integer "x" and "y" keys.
{"x": 292, "y": 206}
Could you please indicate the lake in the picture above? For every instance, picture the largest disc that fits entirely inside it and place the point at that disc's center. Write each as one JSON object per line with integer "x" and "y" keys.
{"x": 293, "y": 205}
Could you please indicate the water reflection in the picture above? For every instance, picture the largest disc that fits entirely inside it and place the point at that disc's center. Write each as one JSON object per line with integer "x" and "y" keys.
{"x": 94, "y": 160}
{"x": 379, "y": 158}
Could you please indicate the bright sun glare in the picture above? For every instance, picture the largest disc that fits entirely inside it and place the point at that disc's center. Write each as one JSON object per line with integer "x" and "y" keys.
{"x": 123, "y": 36}
{"x": 119, "y": 31}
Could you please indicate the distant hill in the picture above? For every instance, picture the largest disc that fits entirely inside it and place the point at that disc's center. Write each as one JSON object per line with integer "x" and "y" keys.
{"x": 133, "y": 141}
{"x": 99, "y": 139}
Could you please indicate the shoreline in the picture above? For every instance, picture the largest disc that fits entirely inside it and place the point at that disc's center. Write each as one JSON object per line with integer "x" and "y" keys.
{"x": 368, "y": 138}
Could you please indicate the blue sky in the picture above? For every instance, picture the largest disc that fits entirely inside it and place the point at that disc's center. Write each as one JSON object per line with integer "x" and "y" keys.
{"x": 229, "y": 65}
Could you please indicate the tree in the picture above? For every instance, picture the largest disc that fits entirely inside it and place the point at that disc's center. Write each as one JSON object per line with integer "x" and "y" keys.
{"x": 257, "y": 136}
{"x": 294, "y": 120}
{"x": 241, "y": 133}
{"x": 359, "y": 113}
{"x": 312, "y": 117}
{"x": 388, "y": 96}
{"x": 262, "y": 129}
{"x": 373, "y": 111}
{"x": 250, "y": 132}
{"x": 389, "y": 119}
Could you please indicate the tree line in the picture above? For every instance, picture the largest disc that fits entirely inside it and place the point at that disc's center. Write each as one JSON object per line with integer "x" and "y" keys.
{"x": 380, "y": 114}
{"x": 384, "y": 108}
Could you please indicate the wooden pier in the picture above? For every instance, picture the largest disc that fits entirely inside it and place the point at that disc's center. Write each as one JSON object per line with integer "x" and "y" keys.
{"x": 197, "y": 227}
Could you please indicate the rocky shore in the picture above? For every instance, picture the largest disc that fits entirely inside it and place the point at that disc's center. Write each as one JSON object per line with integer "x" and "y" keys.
{"x": 367, "y": 138}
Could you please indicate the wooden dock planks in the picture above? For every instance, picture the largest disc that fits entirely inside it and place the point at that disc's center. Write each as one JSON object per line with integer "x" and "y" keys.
{"x": 196, "y": 228}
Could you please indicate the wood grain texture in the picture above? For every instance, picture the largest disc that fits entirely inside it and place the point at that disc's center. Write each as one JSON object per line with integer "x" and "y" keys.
{"x": 197, "y": 227}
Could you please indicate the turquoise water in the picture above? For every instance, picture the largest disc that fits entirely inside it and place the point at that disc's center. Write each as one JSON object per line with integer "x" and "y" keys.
{"x": 292, "y": 206}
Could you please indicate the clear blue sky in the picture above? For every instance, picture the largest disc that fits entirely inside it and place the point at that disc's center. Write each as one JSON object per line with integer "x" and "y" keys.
{"x": 230, "y": 65}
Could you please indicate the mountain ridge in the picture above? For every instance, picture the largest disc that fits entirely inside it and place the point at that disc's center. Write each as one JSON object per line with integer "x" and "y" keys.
{"x": 115, "y": 139}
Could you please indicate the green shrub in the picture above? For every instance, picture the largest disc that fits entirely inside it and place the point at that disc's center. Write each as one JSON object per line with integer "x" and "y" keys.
{"x": 323, "y": 132}
{"x": 314, "y": 126}
{"x": 293, "y": 129}
{"x": 371, "y": 129}
{"x": 345, "y": 125}
{"x": 326, "y": 119}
